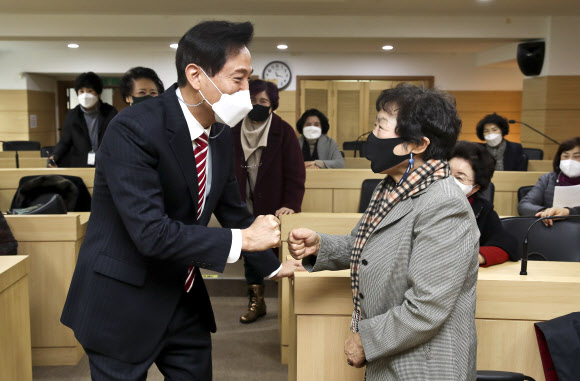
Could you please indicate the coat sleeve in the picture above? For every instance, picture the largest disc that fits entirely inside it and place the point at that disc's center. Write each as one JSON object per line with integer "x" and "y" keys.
{"x": 294, "y": 172}
{"x": 335, "y": 159}
{"x": 534, "y": 201}
{"x": 444, "y": 254}
{"x": 521, "y": 162}
{"x": 128, "y": 161}
{"x": 65, "y": 141}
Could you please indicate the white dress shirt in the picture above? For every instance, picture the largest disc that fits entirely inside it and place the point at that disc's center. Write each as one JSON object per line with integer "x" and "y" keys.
{"x": 195, "y": 131}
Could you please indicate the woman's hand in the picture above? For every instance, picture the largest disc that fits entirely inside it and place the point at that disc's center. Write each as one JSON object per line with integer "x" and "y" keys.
{"x": 303, "y": 242}
{"x": 310, "y": 164}
{"x": 288, "y": 268}
{"x": 354, "y": 351}
{"x": 552, "y": 212}
{"x": 283, "y": 211}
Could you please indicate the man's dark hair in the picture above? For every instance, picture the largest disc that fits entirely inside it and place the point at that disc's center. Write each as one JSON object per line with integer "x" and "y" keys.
{"x": 481, "y": 161}
{"x": 565, "y": 146}
{"x": 257, "y": 86}
{"x": 324, "y": 125}
{"x": 209, "y": 44}
{"x": 127, "y": 82}
{"x": 498, "y": 120}
{"x": 422, "y": 113}
{"x": 90, "y": 80}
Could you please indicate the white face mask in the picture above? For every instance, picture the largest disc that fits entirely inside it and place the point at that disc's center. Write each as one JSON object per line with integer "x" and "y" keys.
{"x": 464, "y": 188}
{"x": 570, "y": 168}
{"x": 311, "y": 132}
{"x": 88, "y": 100}
{"x": 493, "y": 140}
{"x": 231, "y": 108}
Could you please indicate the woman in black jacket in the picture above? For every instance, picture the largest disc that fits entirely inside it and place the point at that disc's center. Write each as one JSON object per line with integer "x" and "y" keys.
{"x": 472, "y": 167}
{"x": 508, "y": 156}
{"x": 84, "y": 126}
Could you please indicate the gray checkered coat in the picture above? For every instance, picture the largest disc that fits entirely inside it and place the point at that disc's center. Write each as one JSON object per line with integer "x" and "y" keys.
{"x": 418, "y": 275}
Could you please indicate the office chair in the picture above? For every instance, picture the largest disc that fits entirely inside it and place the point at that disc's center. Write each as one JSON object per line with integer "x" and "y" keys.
{"x": 493, "y": 375}
{"x": 366, "y": 192}
{"x": 488, "y": 193}
{"x": 534, "y": 153}
{"x": 525, "y": 160}
{"x": 560, "y": 242}
{"x": 355, "y": 146}
{"x": 54, "y": 205}
{"x": 21, "y": 146}
{"x": 33, "y": 190}
{"x": 523, "y": 191}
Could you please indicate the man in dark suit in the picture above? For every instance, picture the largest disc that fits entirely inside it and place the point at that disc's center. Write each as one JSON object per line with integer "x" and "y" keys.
{"x": 137, "y": 296}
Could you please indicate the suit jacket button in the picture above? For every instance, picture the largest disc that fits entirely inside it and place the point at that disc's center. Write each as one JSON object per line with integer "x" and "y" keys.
{"x": 364, "y": 262}
{"x": 361, "y": 296}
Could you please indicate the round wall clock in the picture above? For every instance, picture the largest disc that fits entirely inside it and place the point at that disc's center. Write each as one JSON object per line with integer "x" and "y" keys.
{"x": 279, "y": 71}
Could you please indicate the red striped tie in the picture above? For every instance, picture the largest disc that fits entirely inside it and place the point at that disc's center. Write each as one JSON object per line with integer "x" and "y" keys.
{"x": 200, "y": 153}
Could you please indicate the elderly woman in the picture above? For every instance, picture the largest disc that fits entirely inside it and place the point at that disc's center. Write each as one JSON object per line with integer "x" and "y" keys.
{"x": 413, "y": 255}
{"x": 508, "y": 156}
{"x": 539, "y": 201}
{"x": 139, "y": 84}
{"x": 318, "y": 150}
{"x": 269, "y": 171}
{"x": 472, "y": 167}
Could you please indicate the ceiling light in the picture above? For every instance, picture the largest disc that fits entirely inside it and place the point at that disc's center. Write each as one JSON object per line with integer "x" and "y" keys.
{"x": 388, "y": 47}
{"x": 73, "y": 46}
{"x": 173, "y": 46}
{"x": 282, "y": 47}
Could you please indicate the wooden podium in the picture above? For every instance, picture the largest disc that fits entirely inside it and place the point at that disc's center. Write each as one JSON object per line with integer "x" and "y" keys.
{"x": 15, "y": 362}
{"x": 52, "y": 243}
{"x": 508, "y": 305}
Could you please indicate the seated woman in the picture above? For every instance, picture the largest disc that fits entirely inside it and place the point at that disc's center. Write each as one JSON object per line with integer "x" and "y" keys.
{"x": 413, "y": 255}
{"x": 139, "y": 84}
{"x": 319, "y": 150}
{"x": 508, "y": 156}
{"x": 538, "y": 202}
{"x": 472, "y": 167}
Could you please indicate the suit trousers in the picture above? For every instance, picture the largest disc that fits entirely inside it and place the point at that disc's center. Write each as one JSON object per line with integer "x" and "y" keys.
{"x": 183, "y": 354}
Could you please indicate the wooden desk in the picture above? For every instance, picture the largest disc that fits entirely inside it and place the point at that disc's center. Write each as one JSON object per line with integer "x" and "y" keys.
{"x": 9, "y": 179}
{"x": 52, "y": 243}
{"x": 357, "y": 163}
{"x": 15, "y": 363}
{"x": 507, "y": 307}
{"x": 338, "y": 190}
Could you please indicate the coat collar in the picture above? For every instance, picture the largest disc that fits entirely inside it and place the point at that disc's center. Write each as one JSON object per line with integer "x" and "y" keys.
{"x": 400, "y": 210}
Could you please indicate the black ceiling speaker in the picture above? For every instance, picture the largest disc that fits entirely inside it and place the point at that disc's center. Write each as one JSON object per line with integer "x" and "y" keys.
{"x": 531, "y": 57}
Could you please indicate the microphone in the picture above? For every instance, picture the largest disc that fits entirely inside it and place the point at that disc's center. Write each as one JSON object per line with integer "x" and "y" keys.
{"x": 524, "y": 268}
{"x": 511, "y": 121}
{"x": 15, "y": 153}
{"x": 356, "y": 143}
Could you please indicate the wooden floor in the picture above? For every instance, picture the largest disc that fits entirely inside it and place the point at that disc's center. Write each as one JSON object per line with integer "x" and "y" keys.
{"x": 240, "y": 352}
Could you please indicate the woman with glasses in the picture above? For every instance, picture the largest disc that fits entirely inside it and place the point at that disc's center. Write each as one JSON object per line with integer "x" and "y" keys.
{"x": 269, "y": 170}
{"x": 472, "y": 167}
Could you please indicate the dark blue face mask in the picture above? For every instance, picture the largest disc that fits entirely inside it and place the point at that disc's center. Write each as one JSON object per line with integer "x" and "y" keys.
{"x": 141, "y": 99}
{"x": 380, "y": 153}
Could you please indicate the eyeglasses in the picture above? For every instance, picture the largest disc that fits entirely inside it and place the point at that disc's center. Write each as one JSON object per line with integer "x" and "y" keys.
{"x": 465, "y": 180}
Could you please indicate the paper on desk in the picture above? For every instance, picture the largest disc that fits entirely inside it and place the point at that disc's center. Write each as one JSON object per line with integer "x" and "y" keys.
{"x": 567, "y": 196}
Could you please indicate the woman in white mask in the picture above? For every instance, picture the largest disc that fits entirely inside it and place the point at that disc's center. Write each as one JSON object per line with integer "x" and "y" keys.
{"x": 538, "y": 202}
{"x": 318, "y": 150}
{"x": 472, "y": 168}
{"x": 84, "y": 125}
{"x": 508, "y": 156}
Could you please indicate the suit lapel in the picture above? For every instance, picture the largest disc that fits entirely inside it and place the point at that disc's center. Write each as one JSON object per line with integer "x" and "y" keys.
{"x": 400, "y": 210}
{"x": 180, "y": 141}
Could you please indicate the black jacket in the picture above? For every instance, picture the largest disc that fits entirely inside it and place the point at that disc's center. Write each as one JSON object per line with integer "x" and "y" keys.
{"x": 75, "y": 144}
{"x": 491, "y": 230}
{"x": 143, "y": 233}
{"x": 513, "y": 158}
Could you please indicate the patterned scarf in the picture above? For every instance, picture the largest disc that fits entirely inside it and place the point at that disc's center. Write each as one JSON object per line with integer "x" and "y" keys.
{"x": 385, "y": 197}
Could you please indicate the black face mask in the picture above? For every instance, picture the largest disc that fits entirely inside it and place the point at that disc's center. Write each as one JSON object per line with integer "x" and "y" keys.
{"x": 259, "y": 113}
{"x": 380, "y": 153}
{"x": 141, "y": 99}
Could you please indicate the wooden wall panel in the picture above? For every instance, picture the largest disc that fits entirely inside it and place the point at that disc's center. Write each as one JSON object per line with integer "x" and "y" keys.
{"x": 43, "y": 105}
{"x": 287, "y": 107}
{"x": 472, "y": 106}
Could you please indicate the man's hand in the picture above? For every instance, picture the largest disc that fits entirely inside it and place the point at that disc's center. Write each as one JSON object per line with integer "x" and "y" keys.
{"x": 303, "y": 242}
{"x": 552, "y": 212}
{"x": 288, "y": 268}
{"x": 51, "y": 162}
{"x": 353, "y": 349}
{"x": 263, "y": 234}
{"x": 284, "y": 211}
